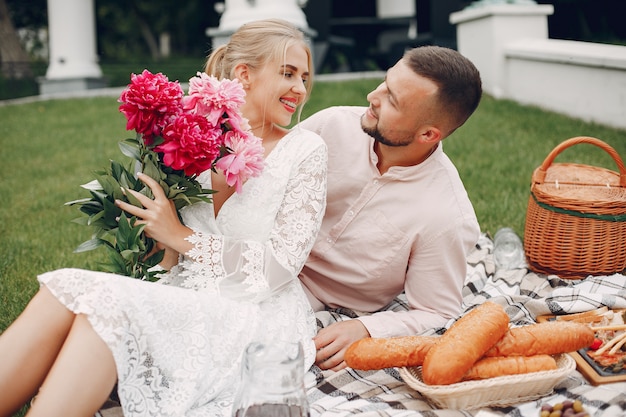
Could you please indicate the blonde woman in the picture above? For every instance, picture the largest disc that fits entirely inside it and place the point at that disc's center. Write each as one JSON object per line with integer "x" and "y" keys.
{"x": 173, "y": 348}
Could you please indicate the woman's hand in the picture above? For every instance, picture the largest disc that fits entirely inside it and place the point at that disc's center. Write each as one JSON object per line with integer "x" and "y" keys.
{"x": 158, "y": 215}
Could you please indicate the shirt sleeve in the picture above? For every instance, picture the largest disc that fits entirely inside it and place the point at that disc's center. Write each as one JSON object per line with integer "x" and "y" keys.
{"x": 313, "y": 122}
{"x": 434, "y": 282}
{"x": 252, "y": 270}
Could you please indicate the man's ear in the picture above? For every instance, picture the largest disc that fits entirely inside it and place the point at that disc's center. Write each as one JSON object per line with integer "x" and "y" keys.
{"x": 242, "y": 73}
{"x": 430, "y": 134}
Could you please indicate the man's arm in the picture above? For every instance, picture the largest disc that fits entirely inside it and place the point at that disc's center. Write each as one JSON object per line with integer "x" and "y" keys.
{"x": 434, "y": 281}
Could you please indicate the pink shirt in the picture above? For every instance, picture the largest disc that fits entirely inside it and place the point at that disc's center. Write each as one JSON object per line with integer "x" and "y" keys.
{"x": 409, "y": 229}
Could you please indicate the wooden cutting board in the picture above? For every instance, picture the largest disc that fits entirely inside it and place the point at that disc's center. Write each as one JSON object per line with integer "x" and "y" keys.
{"x": 587, "y": 367}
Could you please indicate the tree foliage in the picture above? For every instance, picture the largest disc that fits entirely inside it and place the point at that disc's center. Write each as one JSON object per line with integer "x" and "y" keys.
{"x": 140, "y": 23}
{"x": 130, "y": 29}
{"x": 30, "y": 14}
{"x": 14, "y": 61}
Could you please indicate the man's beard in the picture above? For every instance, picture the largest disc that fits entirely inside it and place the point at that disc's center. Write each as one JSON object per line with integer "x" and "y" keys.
{"x": 379, "y": 137}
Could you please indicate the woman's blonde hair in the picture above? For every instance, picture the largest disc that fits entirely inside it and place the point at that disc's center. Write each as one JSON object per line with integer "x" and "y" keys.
{"x": 256, "y": 43}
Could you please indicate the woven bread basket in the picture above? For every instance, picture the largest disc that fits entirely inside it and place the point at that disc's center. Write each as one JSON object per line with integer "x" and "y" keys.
{"x": 501, "y": 391}
{"x": 576, "y": 217}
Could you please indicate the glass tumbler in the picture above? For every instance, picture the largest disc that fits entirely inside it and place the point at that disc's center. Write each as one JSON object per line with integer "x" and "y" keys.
{"x": 272, "y": 382}
{"x": 508, "y": 250}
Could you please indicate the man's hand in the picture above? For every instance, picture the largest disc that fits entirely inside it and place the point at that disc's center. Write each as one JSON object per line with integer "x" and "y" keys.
{"x": 331, "y": 343}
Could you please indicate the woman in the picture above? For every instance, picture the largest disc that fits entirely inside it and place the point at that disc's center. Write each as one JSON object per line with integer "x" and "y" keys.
{"x": 174, "y": 347}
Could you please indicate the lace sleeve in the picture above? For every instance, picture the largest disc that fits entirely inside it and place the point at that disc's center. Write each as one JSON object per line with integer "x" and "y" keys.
{"x": 252, "y": 270}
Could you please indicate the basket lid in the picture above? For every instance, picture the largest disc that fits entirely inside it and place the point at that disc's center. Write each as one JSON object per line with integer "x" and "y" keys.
{"x": 577, "y": 187}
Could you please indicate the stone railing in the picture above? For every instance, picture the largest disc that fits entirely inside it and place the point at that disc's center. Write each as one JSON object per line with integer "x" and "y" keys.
{"x": 509, "y": 44}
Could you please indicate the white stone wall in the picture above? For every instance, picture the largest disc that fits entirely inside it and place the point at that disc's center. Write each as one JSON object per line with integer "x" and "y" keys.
{"x": 509, "y": 45}
{"x": 579, "y": 79}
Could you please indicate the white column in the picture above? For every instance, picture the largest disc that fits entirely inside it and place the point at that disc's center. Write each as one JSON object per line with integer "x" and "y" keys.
{"x": 72, "y": 39}
{"x": 238, "y": 12}
{"x": 483, "y": 31}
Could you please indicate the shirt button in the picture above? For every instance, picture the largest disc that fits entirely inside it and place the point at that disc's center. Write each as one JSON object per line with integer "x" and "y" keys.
{"x": 329, "y": 240}
{"x": 351, "y": 212}
{"x": 375, "y": 182}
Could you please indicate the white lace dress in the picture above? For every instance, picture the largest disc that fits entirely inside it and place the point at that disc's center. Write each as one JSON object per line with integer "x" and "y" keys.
{"x": 178, "y": 343}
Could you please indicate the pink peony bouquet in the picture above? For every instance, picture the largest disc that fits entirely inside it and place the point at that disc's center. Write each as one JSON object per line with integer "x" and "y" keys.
{"x": 178, "y": 137}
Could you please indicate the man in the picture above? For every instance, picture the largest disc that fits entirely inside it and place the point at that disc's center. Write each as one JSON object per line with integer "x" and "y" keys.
{"x": 398, "y": 217}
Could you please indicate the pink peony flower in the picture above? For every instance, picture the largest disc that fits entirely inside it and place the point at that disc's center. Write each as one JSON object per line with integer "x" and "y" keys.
{"x": 148, "y": 102}
{"x": 215, "y": 99}
{"x": 200, "y": 130}
{"x": 245, "y": 160}
{"x": 190, "y": 144}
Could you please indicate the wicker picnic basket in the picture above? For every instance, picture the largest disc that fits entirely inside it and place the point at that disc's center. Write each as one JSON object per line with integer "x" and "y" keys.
{"x": 576, "y": 217}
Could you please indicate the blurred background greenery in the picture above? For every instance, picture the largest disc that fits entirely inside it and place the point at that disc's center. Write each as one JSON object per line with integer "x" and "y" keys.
{"x": 130, "y": 34}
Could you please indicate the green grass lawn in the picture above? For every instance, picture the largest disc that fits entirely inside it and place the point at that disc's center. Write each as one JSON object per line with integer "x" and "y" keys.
{"x": 49, "y": 148}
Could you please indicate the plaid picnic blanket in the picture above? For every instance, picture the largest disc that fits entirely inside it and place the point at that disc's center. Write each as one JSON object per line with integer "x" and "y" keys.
{"x": 524, "y": 295}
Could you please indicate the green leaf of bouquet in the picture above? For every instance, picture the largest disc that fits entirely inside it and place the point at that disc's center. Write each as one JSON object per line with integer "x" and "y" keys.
{"x": 130, "y": 148}
{"x": 166, "y": 188}
{"x": 111, "y": 187}
{"x": 95, "y": 217}
{"x": 129, "y": 255}
{"x": 117, "y": 170}
{"x": 100, "y": 224}
{"x": 174, "y": 190}
{"x": 111, "y": 268}
{"x": 123, "y": 230}
{"x": 151, "y": 169}
{"x": 93, "y": 185}
{"x": 156, "y": 141}
{"x": 117, "y": 264}
{"x": 111, "y": 213}
{"x": 80, "y": 201}
{"x": 128, "y": 180}
{"x": 104, "y": 240}
{"x": 133, "y": 200}
{"x": 98, "y": 196}
{"x": 154, "y": 259}
{"x": 92, "y": 207}
{"x": 182, "y": 200}
{"x": 136, "y": 244}
{"x": 129, "y": 236}
{"x": 172, "y": 177}
{"x": 134, "y": 235}
{"x": 107, "y": 238}
{"x": 151, "y": 275}
{"x": 88, "y": 245}
{"x": 83, "y": 221}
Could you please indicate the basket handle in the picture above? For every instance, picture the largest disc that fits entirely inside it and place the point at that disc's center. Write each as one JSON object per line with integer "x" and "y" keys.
{"x": 542, "y": 170}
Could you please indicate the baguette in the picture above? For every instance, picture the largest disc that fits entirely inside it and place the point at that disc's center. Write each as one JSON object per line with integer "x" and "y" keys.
{"x": 509, "y": 365}
{"x": 549, "y": 338}
{"x": 378, "y": 353}
{"x": 464, "y": 343}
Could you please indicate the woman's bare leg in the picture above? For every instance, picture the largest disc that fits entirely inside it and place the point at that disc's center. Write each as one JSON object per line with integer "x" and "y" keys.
{"x": 29, "y": 347}
{"x": 81, "y": 378}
